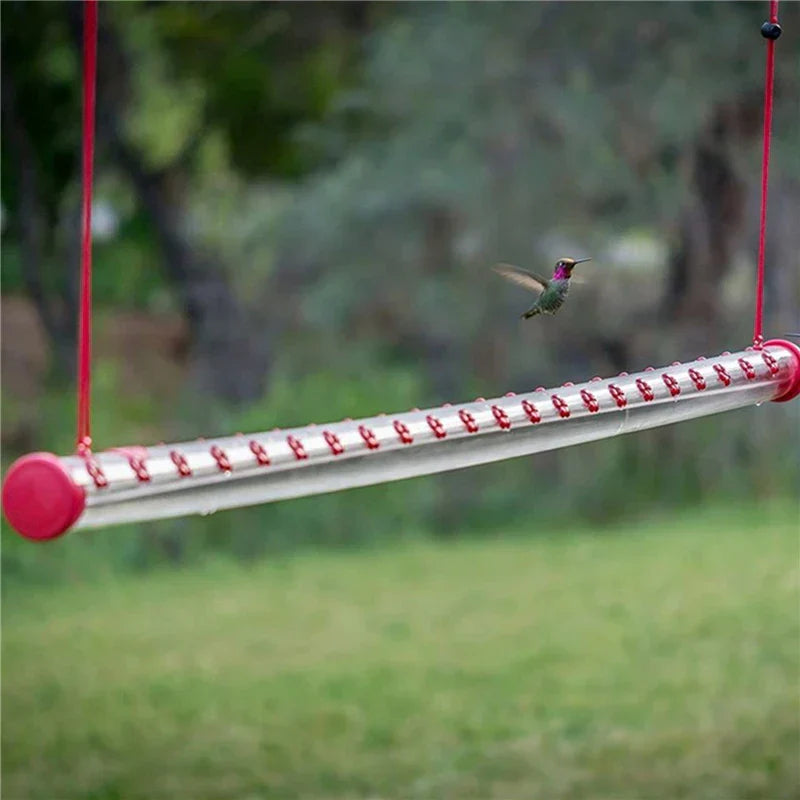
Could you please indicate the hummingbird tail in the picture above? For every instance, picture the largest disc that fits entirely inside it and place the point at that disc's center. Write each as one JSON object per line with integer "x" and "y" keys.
{"x": 531, "y": 313}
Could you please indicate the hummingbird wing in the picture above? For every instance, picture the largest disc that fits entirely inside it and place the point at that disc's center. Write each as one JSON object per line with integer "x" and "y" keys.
{"x": 529, "y": 280}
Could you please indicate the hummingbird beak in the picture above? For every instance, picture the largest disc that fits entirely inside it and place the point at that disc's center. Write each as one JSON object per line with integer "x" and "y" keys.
{"x": 581, "y": 260}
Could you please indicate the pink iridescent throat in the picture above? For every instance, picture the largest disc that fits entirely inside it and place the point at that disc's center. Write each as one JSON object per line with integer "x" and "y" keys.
{"x": 561, "y": 274}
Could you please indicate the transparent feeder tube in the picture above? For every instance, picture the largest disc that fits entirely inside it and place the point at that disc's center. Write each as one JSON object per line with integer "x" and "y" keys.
{"x": 201, "y": 477}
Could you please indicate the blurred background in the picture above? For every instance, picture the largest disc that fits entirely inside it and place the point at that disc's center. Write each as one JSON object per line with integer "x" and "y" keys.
{"x": 296, "y": 209}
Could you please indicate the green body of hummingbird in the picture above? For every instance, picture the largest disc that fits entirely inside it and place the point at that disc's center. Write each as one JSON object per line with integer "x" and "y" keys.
{"x": 552, "y": 291}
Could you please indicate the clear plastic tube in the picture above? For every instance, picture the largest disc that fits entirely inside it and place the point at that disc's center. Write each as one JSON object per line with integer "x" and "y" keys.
{"x": 202, "y": 477}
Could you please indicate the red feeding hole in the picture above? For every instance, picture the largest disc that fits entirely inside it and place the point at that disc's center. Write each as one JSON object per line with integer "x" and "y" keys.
{"x": 590, "y": 401}
{"x": 257, "y": 449}
{"x": 560, "y": 405}
{"x": 769, "y": 360}
{"x": 531, "y": 412}
{"x": 370, "y": 440}
{"x": 468, "y": 420}
{"x": 596, "y": 379}
{"x": 747, "y": 368}
{"x": 436, "y": 426}
{"x": 501, "y": 418}
{"x": 645, "y": 390}
{"x": 297, "y": 447}
{"x": 722, "y": 375}
{"x": 672, "y": 384}
{"x": 567, "y": 384}
{"x": 510, "y": 394}
{"x": 697, "y": 379}
{"x": 95, "y": 472}
{"x": 333, "y": 442}
{"x": 649, "y": 369}
{"x": 139, "y": 469}
{"x": 618, "y": 395}
{"x": 218, "y": 454}
{"x": 179, "y": 460}
{"x": 403, "y": 432}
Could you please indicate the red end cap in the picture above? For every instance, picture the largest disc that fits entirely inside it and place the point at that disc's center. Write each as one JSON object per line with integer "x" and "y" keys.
{"x": 791, "y": 388}
{"x": 40, "y": 499}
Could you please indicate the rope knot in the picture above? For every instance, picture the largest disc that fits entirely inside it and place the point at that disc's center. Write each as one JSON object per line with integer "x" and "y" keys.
{"x": 771, "y": 30}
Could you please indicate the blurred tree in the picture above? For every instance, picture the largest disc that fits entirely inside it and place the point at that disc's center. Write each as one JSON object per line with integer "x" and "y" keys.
{"x": 41, "y": 124}
{"x": 254, "y": 72}
{"x": 535, "y": 133}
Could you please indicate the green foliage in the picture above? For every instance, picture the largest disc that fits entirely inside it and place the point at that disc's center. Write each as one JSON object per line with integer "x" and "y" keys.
{"x": 654, "y": 660}
{"x": 37, "y": 47}
{"x": 262, "y": 70}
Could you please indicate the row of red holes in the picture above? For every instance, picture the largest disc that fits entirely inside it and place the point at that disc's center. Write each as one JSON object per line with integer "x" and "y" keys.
{"x": 771, "y": 363}
{"x": 747, "y": 368}
{"x": 722, "y": 375}
{"x": 139, "y": 469}
{"x": 561, "y": 405}
{"x": 219, "y": 455}
{"x": 697, "y": 379}
{"x": 589, "y": 400}
{"x": 501, "y": 418}
{"x": 468, "y": 420}
{"x": 370, "y": 440}
{"x": 645, "y": 390}
{"x": 94, "y": 470}
{"x": 531, "y": 412}
{"x": 257, "y": 449}
{"x": 403, "y": 432}
{"x": 333, "y": 443}
{"x": 672, "y": 384}
{"x": 436, "y": 426}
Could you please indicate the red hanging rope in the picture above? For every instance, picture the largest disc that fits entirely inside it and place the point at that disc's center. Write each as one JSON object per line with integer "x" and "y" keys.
{"x": 770, "y": 30}
{"x": 85, "y": 310}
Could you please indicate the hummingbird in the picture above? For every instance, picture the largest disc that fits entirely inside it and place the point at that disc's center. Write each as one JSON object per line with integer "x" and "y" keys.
{"x": 552, "y": 291}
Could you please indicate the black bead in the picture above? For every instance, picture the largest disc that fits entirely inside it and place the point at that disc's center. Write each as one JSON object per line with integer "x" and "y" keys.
{"x": 770, "y": 30}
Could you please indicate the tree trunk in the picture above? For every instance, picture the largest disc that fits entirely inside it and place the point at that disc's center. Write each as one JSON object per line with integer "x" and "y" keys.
{"x": 229, "y": 352}
{"x": 708, "y": 228}
{"x": 59, "y": 321}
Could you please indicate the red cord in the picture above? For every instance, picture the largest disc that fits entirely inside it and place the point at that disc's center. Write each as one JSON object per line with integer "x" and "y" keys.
{"x": 758, "y": 324}
{"x": 85, "y": 311}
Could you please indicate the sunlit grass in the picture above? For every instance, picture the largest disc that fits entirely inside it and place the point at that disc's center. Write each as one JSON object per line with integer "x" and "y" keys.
{"x": 656, "y": 661}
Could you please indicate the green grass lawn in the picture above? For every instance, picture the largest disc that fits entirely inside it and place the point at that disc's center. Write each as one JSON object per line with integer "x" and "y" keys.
{"x": 659, "y": 660}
